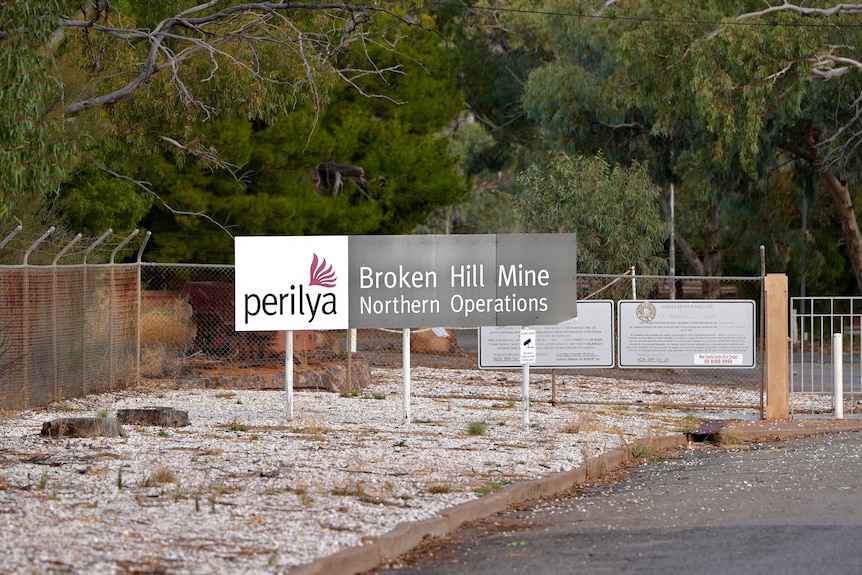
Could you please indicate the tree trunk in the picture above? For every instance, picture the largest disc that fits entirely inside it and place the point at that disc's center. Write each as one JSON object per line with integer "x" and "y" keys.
{"x": 711, "y": 289}
{"x": 156, "y": 416}
{"x": 849, "y": 226}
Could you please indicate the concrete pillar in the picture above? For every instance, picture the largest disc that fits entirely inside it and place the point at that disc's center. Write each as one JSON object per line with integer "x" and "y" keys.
{"x": 776, "y": 306}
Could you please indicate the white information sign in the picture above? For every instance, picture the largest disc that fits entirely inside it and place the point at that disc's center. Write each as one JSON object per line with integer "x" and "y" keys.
{"x": 528, "y": 346}
{"x": 686, "y": 333}
{"x": 587, "y": 341}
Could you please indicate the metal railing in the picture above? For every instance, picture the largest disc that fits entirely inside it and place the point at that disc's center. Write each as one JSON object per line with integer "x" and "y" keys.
{"x": 814, "y": 323}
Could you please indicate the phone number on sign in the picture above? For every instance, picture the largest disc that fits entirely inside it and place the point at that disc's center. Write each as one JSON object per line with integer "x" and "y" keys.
{"x": 718, "y": 359}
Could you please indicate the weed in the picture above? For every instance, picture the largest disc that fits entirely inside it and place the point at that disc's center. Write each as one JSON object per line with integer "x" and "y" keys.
{"x": 162, "y": 433}
{"x": 225, "y": 395}
{"x": 642, "y": 450}
{"x": 374, "y": 396}
{"x": 573, "y": 427}
{"x": 103, "y": 413}
{"x": 350, "y": 394}
{"x": 476, "y": 428}
{"x": 688, "y": 423}
{"x": 492, "y": 486}
{"x": 205, "y": 453}
{"x": 401, "y": 443}
{"x": 119, "y": 479}
{"x": 439, "y": 488}
{"x": 357, "y": 490}
{"x": 237, "y": 426}
{"x": 304, "y": 498}
{"x": 160, "y": 476}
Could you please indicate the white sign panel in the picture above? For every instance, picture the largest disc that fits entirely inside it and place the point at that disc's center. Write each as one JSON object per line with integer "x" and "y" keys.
{"x": 587, "y": 341}
{"x": 686, "y": 333}
{"x": 528, "y": 346}
{"x": 291, "y": 283}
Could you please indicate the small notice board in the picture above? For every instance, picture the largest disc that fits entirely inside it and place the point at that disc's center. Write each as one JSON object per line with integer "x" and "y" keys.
{"x": 587, "y": 341}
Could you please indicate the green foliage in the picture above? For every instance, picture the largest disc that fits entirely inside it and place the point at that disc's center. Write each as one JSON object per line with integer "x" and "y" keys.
{"x": 81, "y": 137}
{"x": 725, "y": 109}
{"x": 613, "y": 209}
{"x": 35, "y": 148}
{"x": 408, "y": 168}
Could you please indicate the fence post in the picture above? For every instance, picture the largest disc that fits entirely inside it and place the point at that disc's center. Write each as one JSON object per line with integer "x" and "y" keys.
{"x": 54, "y": 298}
{"x": 87, "y": 252}
{"x": 777, "y": 356}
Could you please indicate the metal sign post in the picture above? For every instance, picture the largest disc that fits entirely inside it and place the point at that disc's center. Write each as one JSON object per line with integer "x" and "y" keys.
{"x": 405, "y": 371}
{"x": 288, "y": 374}
{"x": 528, "y": 356}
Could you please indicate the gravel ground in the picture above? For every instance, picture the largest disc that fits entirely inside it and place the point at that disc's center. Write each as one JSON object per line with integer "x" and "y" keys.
{"x": 244, "y": 490}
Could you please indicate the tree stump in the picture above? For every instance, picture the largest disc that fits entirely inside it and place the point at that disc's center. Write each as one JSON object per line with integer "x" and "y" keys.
{"x": 83, "y": 427}
{"x": 157, "y": 416}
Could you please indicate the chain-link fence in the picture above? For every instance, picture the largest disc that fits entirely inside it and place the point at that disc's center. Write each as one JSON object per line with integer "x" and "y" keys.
{"x": 68, "y": 327}
{"x": 187, "y": 332}
{"x": 74, "y": 322}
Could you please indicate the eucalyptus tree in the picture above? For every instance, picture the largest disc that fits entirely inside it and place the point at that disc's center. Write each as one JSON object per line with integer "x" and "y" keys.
{"x": 603, "y": 94}
{"x": 93, "y": 89}
{"x": 612, "y": 208}
{"x": 361, "y": 165}
{"x": 727, "y": 99}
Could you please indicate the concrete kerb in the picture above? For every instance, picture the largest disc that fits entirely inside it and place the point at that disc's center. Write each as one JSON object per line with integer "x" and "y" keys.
{"x": 407, "y": 535}
{"x": 764, "y": 431}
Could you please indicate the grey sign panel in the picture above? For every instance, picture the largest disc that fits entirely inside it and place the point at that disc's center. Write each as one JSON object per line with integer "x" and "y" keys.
{"x": 536, "y": 274}
{"x": 587, "y": 341}
{"x": 686, "y": 333}
{"x": 413, "y": 281}
{"x": 461, "y": 280}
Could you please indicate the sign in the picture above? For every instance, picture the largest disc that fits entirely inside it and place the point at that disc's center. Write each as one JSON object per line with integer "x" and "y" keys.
{"x": 686, "y": 333}
{"x": 336, "y": 282}
{"x": 587, "y": 341}
{"x": 462, "y": 280}
{"x": 528, "y": 346}
{"x": 287, "y": 283}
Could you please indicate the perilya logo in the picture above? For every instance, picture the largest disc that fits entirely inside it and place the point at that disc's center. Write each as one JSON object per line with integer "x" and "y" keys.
{"x": 320, "y": 275}
{"x": 297, "y": 301}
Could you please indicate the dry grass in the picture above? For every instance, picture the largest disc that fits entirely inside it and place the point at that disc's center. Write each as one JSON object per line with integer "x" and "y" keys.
{"x": 172, "y": 327}
{"x": 167, "y": 333}
{"x": 160, "y": 476}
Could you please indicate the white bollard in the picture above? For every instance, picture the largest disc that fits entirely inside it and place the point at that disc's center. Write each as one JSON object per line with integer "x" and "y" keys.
{"x": 405, "y": 372}
{"x": 837, "y": 377}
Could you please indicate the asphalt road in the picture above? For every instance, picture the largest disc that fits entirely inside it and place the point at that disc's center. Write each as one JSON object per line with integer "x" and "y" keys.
{"x": 790, "y": 507}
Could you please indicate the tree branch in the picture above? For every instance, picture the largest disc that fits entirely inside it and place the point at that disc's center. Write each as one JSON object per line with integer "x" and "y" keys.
{"x": 147, "y": 187}
{"x": 210, "y": 36}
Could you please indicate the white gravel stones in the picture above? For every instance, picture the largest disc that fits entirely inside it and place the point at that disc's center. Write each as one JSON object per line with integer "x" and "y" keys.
{"x": 243, "y": 490}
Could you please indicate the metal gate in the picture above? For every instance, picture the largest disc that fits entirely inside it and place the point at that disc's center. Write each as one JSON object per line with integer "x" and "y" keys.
{"x": 814, "y": 323}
